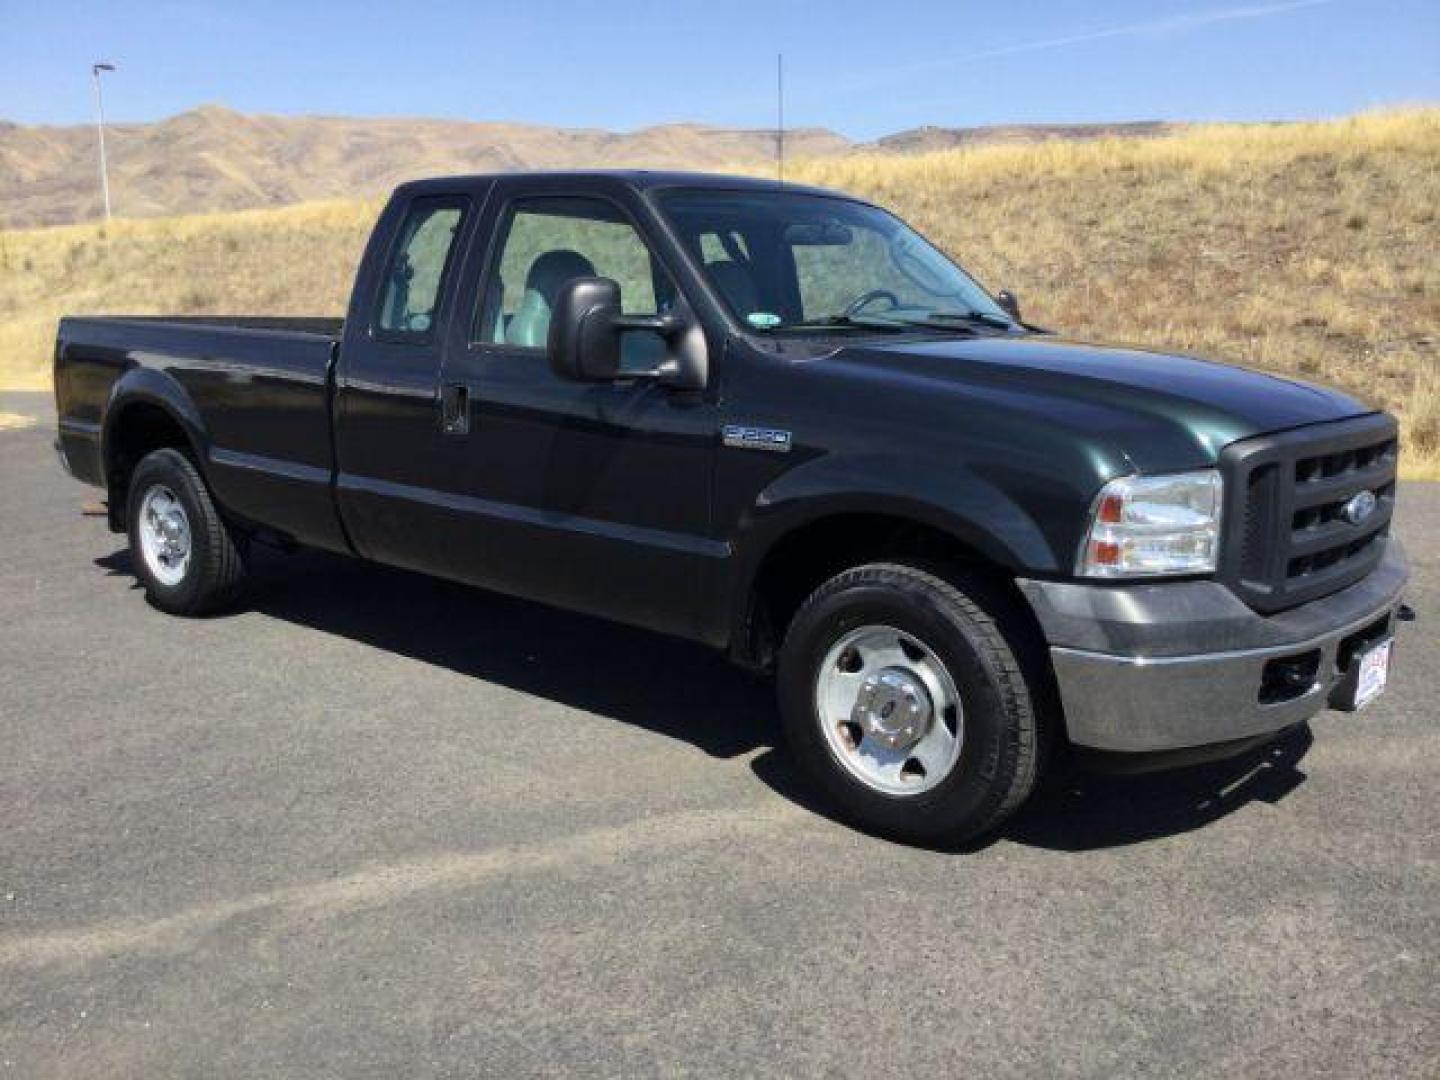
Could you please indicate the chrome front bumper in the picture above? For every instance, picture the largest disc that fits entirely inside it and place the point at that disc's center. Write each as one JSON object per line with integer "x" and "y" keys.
{"x": 1168, "y": 666}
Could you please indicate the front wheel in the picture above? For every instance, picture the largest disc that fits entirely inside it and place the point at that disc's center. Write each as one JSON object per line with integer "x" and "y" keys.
{"x": 186, "y": 556}
{"x": 902, "y": 695}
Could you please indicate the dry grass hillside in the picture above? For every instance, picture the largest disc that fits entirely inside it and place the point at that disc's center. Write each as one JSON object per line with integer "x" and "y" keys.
{"x": 213, "y": 158}
{"x": 1308, "y": 249}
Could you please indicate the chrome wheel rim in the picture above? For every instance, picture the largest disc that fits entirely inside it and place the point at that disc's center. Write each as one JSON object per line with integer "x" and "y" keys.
{"x": 889, "y": 710}
{"x": 164, "y": 535}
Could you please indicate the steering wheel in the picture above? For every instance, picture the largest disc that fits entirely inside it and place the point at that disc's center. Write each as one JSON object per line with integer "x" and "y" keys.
{"x": 864, "y": 300}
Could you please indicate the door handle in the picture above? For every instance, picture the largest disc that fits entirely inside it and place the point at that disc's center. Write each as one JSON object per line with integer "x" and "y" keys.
{"x": 455, "y": 409}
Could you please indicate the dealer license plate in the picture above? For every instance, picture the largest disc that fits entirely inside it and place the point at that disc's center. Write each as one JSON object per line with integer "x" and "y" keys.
{"x": 1374, "y": 670}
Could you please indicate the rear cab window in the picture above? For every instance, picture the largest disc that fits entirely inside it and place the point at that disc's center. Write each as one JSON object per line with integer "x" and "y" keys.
{"x": 412, "y": 286}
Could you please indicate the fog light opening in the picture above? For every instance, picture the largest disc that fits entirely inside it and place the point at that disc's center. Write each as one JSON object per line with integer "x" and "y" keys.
{"x": 1288, "y": 677}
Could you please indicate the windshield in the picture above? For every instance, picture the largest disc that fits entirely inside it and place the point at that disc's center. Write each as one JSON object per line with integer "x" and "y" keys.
{"x": 792, "y": 262}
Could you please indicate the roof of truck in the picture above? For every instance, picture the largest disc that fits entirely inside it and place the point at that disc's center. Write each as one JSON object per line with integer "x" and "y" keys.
{"x": 641, "y": 179}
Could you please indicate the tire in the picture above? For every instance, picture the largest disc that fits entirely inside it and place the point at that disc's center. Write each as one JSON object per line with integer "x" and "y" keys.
{"x": 169, "y": 509}
{"x": 954, "y": 662}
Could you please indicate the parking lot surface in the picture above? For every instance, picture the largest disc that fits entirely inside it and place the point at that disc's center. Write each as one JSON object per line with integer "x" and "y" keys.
{"x": 372, "y": 824}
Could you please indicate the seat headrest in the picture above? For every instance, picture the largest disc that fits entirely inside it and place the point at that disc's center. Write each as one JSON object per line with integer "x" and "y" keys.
{"x": 551, "y": 269}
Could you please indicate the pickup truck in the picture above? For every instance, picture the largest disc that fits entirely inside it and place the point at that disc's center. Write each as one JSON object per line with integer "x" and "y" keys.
{"x": 776, "y": 420}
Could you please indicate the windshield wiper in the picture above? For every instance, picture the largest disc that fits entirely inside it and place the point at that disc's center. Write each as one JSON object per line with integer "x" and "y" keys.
{"x": 954, "y": 322}
{"x": 984, "y": 318}
{"x": 849, "y": 322}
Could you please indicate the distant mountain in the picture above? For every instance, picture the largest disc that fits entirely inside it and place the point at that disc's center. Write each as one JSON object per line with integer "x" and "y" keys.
{"x": 922, "y": 139}
{"x": 213, "y": 158}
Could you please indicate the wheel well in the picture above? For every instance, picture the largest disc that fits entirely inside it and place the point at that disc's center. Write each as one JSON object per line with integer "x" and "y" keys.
{"x": 800, "y": 562}
{"x": 140, "y": 429}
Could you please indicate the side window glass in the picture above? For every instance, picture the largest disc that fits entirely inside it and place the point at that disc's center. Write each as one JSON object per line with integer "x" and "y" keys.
{"x": 417, "y": 266}
{"x": 551, "y": 240}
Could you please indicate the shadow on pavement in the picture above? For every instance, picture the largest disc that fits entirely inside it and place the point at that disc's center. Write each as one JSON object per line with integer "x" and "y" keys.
{"x": 1085, "y": 812}
{"x": 687, "y": 692}
{"x": 662, "y": 684}
{"x": 1078, "y": 811}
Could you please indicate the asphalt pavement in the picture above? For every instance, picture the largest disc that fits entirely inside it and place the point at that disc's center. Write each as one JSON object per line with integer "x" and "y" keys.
{"x": 372, "y": 824}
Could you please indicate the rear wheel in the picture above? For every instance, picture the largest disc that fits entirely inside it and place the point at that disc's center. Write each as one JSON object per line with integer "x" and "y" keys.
{"x": 902, "y": 695}
{"x": 186, "y": 556}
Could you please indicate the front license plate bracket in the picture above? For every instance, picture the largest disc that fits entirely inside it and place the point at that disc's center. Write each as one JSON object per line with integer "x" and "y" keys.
{"x": 1365, "y": 678}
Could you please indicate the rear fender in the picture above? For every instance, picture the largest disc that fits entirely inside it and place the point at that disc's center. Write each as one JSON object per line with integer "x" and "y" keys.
{"x": 152, "y": 387}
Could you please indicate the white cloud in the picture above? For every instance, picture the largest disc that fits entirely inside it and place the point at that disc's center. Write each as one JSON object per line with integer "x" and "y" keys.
{"x": 1169, "y": 26}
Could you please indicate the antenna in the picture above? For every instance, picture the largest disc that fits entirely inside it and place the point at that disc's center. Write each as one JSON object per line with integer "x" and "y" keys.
{"x": 780, "y": 118}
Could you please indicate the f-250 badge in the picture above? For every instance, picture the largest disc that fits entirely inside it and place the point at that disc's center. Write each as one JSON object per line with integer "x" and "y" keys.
{"x": 756, "y": 438}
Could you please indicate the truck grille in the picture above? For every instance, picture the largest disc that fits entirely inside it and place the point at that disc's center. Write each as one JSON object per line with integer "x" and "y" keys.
{"x": 1288, "y": 539}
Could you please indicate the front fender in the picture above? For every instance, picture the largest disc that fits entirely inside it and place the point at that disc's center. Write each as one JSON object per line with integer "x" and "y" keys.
{"x": 950, "y": 498}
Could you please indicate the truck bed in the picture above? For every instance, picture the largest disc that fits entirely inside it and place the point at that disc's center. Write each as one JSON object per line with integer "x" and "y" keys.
{"x": 259, "y": 388}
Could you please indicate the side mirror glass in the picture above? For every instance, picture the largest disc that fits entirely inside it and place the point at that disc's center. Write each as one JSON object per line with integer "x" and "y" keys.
{"x": 1010, "y": 302}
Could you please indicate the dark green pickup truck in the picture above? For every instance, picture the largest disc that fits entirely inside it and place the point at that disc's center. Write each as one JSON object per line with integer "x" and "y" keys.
{"x": 778, "y": 421}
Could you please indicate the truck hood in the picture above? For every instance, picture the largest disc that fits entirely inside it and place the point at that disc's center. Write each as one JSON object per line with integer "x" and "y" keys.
{"x": 1160, "y": 411}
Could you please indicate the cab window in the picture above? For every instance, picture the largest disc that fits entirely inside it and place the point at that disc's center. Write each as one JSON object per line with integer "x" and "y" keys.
{"x": 548, "y": 241}
{"x": 417, "y": 268}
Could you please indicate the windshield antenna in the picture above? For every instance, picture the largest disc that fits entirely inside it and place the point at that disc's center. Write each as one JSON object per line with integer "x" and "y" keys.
{"x": 780, "y": 118}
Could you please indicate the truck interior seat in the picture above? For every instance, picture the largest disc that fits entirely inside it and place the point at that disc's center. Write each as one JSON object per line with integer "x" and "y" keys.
{"x": 551, "y": 269}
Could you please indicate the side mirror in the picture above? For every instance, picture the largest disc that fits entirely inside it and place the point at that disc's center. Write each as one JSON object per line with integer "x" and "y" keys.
{"x": 583, "y": 343}
{"x": 586, "y": 326}
{"x": 1010, "y": 302}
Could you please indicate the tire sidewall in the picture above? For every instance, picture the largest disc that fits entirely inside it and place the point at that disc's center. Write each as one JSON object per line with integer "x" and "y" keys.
{"x": 976, "y": 783}
{"x": 168, "y": 468}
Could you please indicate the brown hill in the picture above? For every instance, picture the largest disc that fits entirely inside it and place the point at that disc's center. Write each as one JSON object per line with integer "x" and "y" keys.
{"x": 213, "y": 158}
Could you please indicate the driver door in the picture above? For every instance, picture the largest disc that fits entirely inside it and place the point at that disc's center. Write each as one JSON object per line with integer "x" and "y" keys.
{"x": 590, "y": 496}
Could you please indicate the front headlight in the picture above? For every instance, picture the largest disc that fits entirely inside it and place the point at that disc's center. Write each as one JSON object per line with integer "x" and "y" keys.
{"x": 1145, "y": 526}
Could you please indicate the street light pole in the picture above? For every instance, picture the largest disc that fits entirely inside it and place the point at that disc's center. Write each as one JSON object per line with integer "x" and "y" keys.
{"x": 95, "y": 70}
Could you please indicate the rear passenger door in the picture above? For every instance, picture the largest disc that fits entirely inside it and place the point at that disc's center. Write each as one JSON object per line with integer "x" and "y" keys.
{"x": 591, "y": 496}
{"x": 388, "y": 431}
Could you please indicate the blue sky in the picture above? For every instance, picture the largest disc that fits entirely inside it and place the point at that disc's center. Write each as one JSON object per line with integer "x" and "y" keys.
{"x": 862, "y": 67}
